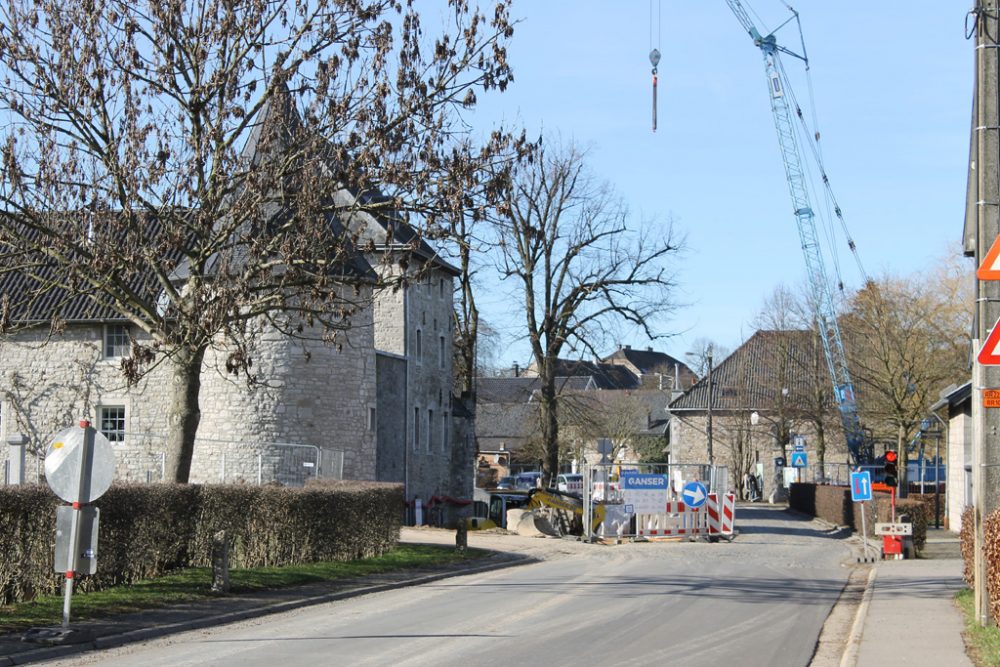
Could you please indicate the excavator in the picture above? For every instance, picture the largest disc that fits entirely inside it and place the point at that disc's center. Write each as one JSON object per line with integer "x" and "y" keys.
{"x": 543, "y": 512}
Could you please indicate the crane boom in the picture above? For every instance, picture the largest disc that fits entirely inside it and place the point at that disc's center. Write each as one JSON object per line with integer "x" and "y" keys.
{"x": 821, "y": 294}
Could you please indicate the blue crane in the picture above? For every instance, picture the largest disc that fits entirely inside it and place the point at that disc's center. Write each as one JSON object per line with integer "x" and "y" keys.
{"x": 823, "y": 304}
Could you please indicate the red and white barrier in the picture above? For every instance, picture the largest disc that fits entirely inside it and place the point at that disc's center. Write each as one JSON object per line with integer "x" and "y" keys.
{"x": 721, "y": 516}
{"x": 681, "y": 520}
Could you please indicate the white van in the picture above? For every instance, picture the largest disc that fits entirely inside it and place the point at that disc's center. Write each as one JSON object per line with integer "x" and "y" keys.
{"x": 570, "y": 483}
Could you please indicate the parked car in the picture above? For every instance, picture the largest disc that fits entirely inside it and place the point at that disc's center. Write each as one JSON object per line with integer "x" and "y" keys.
{"x": 506, "y": 484}
{"x": 570, "y": 483}
{"x": 527, "y": 480}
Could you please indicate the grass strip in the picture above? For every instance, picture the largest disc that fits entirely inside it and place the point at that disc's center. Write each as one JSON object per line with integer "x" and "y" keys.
{"x": 194, "y": 584}
{"x": 984, "y": 643}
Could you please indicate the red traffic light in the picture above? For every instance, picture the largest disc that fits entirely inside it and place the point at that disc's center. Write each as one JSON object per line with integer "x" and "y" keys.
{"x": 890, "y": 456}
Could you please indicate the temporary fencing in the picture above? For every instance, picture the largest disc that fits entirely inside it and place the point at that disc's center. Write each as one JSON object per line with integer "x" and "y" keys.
{"x": 660, "y": 510}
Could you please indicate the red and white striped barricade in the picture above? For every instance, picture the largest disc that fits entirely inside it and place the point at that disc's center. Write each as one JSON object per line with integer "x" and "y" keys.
{"x": 680, "y": 520}
{"x": 721, "y": 516}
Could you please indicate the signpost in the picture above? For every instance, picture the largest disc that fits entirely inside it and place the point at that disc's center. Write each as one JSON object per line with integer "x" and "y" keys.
{"x": 79, "y": 467}
{"x": 861, "y": 490}
{"x": 799, "y": 459}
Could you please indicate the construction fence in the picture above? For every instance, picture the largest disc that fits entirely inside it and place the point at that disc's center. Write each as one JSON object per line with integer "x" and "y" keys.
{"x": 605, "y": 493}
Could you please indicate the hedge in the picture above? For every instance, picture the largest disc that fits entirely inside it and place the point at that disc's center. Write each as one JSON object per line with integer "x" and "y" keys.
{"x": 991, "y": 553}
{"x": 148, "y": 530}
{"x": 833, "y": 504}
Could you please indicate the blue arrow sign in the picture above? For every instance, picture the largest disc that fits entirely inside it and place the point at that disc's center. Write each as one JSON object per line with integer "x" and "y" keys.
{"x": 798, "y": 460}
{"x": 861, "y": 486}
{"x": 694, "y": 494}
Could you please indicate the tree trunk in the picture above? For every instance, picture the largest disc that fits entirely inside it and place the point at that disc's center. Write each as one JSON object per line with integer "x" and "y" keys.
{"x": 904, "y": 484}
{"x": 550, "y": 431}
{"x": 184, "y": 414}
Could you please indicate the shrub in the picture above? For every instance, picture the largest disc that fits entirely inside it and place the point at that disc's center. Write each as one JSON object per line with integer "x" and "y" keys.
{"x": 991, "y": 552}
{"x": 967, "y": 537}
{"x": 147, "y": 530}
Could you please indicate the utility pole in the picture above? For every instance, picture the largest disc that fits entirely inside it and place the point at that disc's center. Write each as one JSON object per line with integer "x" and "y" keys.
{"x": 986, "y": 156}
{"x": 708, "y": 423}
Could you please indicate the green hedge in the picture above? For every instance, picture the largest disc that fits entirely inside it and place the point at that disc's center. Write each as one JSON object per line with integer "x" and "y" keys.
{"x": 147, "y": 530}
{"x": 833, "y": 504}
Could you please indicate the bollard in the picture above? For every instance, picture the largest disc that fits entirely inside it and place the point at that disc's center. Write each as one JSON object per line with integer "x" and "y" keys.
{"x": 461, "y": 535}
{"x": 220, "y": 563}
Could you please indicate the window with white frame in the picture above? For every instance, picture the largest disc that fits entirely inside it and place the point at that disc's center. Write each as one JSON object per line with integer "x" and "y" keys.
{"x": 111, "y": 422}
{"x": 116, "y": 342}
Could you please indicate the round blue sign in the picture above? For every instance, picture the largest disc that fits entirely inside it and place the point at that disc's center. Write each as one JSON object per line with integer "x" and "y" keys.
{"x": 694, "y": 494}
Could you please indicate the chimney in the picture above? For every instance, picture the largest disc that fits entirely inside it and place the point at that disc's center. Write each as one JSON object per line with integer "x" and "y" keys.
{"x": 517, "y": 370}
{"x": 649, "y": 348}
{"x": 628, "y": 347}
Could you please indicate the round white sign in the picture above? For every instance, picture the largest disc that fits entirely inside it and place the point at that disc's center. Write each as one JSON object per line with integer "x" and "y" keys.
{"x": 72, "y": 477}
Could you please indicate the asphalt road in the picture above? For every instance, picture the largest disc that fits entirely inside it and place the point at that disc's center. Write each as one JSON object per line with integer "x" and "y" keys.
{"x": 760, "y": 600}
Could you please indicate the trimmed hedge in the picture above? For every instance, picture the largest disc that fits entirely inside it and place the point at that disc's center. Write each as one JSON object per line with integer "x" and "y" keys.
{"x": 991, "y": 552}
{"x": 148, "y": 530}
{"x": 833, "y": 504}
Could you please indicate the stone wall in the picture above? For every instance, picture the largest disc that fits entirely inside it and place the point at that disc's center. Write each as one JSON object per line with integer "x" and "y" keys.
{"x": 315, "y": 397}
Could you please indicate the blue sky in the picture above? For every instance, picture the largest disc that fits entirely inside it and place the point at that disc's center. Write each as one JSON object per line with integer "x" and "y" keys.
{"x": 893, "y": 89}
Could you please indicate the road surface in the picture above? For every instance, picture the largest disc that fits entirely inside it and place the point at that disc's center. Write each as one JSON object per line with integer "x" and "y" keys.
{"x": 760, "y": 600}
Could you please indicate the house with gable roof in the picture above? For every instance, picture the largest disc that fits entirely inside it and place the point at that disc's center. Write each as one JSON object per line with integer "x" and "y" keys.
{"x": 772, "y": 388}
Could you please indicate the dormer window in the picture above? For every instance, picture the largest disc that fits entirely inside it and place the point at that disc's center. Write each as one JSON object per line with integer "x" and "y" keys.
{"x": 116, "y": 341}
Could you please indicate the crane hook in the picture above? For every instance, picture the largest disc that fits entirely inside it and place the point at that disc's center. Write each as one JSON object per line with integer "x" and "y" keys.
{"x": 654, "y": 60}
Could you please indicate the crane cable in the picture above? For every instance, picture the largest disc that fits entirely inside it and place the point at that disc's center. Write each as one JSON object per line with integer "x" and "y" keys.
{"x": 814, "y": 146}
{"x": 654, "y": 53}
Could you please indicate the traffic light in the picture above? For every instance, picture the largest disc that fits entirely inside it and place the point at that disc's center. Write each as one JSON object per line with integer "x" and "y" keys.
{"x": 891, "y": 472}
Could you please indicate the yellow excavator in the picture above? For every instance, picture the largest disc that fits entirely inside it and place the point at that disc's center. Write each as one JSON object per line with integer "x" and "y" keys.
{"x": 547, "y": 512}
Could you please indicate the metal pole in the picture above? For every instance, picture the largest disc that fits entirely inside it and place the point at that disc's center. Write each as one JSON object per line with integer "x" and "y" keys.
{"x": 937, "y": 482}
{"x": 986, "y": 197}
{"x": 83, "y": 491}
{"x": 864, "y": 529}
{"x": 708, "y": 423}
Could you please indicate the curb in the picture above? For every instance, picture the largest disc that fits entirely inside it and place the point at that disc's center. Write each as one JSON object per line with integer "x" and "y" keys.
{"x": 850, "y": 657}
{"x": 145, "y": 634}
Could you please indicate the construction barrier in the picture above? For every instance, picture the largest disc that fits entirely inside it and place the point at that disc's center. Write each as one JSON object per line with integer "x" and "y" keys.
{"x": 721, "y": 517}
{"x": 681, "y": 520}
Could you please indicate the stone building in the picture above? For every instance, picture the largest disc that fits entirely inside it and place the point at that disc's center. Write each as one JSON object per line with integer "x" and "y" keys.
{"x": 376, "y": 406}
{"x": 770, "y": 393}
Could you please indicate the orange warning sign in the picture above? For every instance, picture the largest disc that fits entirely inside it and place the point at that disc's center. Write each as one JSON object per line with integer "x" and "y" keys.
{"x": 989, "y": 269}
{"x": 991, "y": 398}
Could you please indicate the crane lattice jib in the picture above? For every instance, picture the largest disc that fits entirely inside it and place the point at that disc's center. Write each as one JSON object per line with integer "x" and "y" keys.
{"x": 822, "y": 297}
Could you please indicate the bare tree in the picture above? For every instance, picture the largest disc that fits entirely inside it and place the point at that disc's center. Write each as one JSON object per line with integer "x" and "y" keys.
{"x": 909, "y": 339}
{"x": 125, "y": 179}
{"x": 566, "y": 241}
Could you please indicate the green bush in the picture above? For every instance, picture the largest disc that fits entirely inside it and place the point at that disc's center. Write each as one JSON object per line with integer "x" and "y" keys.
{"x": 147, "y": 530}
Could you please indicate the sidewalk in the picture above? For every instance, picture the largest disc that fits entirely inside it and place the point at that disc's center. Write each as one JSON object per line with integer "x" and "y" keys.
{"x": 908, "y": 614}
{"x": 145, "y": 625}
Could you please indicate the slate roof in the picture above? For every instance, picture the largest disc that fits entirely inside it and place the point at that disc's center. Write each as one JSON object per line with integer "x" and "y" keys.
{"x": 34, "y": 287}
{"x": 754, "y": 374}
{"x": 650, "y": 362}
{"x": 605, "y": 376}
{"x": 521, "y": 389}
